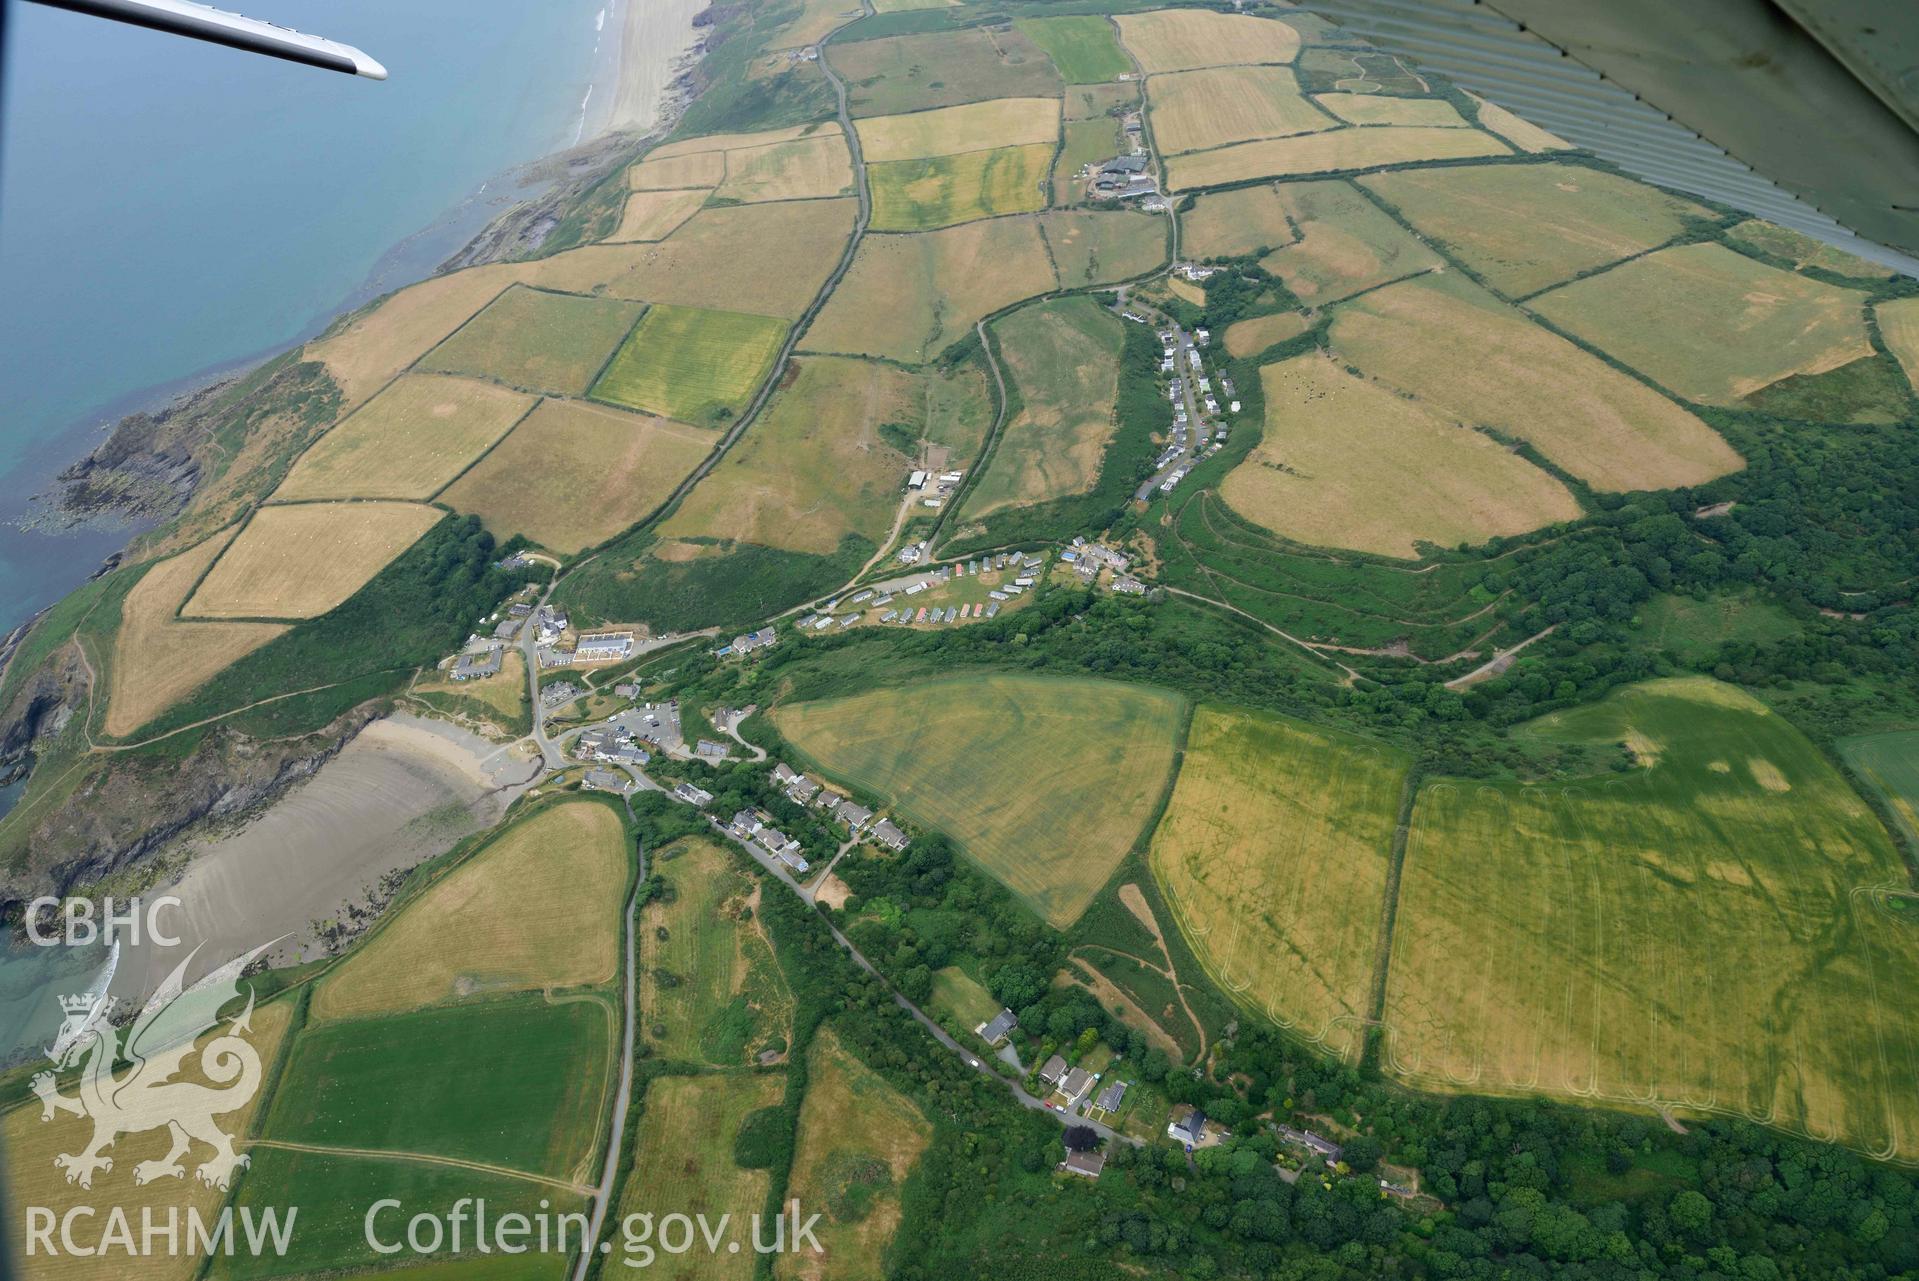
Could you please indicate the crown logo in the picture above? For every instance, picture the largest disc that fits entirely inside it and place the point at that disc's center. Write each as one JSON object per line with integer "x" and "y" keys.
{"x": 77, "y": 1003}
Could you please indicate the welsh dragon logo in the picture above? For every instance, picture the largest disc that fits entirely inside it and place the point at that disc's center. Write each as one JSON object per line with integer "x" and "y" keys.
{"x": 147, "y": 1094}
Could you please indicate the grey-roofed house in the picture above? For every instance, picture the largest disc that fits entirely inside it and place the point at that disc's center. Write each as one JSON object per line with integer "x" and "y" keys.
{"x": 853, "y": 815}
{"x": 998, "y": 1028}
{"x": 1074, "y": 1085}
{"x": 1307, "y": 1139}
{"x": 707, "y": 747}
{"x": 507, "y": 629}
{"x": 776, "y": 840}
{"x": 886, "y": 834}
{"x": 692, "y": 795}
{"x": 1053, "y": 1070}
{"x": 1188, "y": 1128}
{"x": 1109, "y": 1098}
{"x": 1086, "y": 1163}
{"x": 744, "y": 823}
{"x": 605, "y": 780}
{"x": 478, "y": 666}
{"x": 785, "y": 775}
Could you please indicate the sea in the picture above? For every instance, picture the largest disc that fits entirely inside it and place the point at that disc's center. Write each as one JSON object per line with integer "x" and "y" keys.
{"x": 170, "y": 210}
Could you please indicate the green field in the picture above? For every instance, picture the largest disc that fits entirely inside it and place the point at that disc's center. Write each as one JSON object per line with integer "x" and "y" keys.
{"x": 1063, "y": 356}
{"x": 897, "y": 74}
{"x": 691, "y": 363}
{"x": 939, "y": 191}
{"x": 408, "y": 1084}
{"x": 1695, "y": 629}
{"x": 1710, "y": 930}
{"x": 334, "y": 1193}
{"x": 1890, "y": 764}
{"x": 1044, "y": 782}
{"x": 1088, "y": 142}
{"x": 1096, "y": 247}
{"x": 1273, "y": 856}
{"x": 957, "y": 993}
{"x": 1085, "y": 47}
{"x": 711, "y": 991}
{"x": 537, "y": 341}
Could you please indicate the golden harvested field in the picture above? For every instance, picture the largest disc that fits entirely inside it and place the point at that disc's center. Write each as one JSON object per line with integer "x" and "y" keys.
{"x": 1333, "y": 152}
{"x": 1899, "y": 329}
{"x": 300, "y": 560}
{"x": 1273, "y": 855}
{"x": 366, "y": 352}
{"x": 683, "y": 1164}
{"x": 919, "y": 195}
{"x": 1347, "y": 463}
{"x": 159, "y": 660}
{"x": 1802, "y": 250}
{"x": 806, "y": 169}
{"x": 1712, "y": 325}
{"x": 1465, "y": 355}
{"x": 1180, "y": 39}
{"x": 697, "y": 170}
{"x": 1226, "y": 224}
{"x": 1346, "y": 243}
{"x": 1196, "y": 110}
{"x": 1523, "y": 134}
{"x": 655, "y": 215}
{"x": 910, "y": 297}
{"x": 1002, "y": 122}
{"x": 692, "y": 364}
{"x": 1098, "y": 246}
{"x": 896, "y": 74}
{"x": 536, "y": 341}
{"x": 768, "y": 258}
{"x": 1525, "y": 227}
{"x": 739, "y": 141}
{"x": 574, "y": 474}
{"x": 1709, "y": 932}
{"x": 1043, "y": 781}
{"x": 408, "y": 441}
{"x": 1063, "y": 357}
{"x": 538, "y": 907}
{"x": 33, "y": 1179}
{"x": 1382, "y": 109}
{"x": 813, "y": 468}
{"x": 859, "y": 1139}
{"x": 1250, "y": 337}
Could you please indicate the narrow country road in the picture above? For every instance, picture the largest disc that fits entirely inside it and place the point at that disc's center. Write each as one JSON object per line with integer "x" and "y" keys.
{"x": 623, "y": 1095}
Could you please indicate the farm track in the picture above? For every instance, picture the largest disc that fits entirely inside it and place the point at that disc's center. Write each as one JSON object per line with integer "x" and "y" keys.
{"x": 421, "y": 1158}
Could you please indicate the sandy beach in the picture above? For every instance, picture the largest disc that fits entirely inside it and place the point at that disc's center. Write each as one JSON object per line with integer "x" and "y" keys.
{"x": 642, "y": 58}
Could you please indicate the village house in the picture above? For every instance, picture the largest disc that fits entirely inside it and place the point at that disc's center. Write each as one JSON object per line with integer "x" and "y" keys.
{"x": 1321, "y": 1147}
{"x": 854, "y": 816}
{"x": 1109, "y": 1098}
{"x": 1074, "y": 1086}
{"x": 603, "y": 647}
{"x": 605, "y": 780}
{"x": 1188, "y": 1129}
{"x": 888, "y": 835}
{"x": 558, "y": 694}
{"x": 1086, "y": 1163}
{"x": 1052, "y": 1071}
{"x": 793, "y": 859}
{"x": 744, "y": 824}
{"x": 996, "y": 1030}
{"x": 761, "y": 639}
{"x": 710, "y": 750}
{"x": 775, "y": 841}
{"x": 478, "y": 666}
{"x": 692, "y": 795}
{"x": 507, "y": 629}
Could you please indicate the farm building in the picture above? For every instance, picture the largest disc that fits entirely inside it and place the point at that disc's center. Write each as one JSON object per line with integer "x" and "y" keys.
{"x": 996, "y": 1030}
{"x": 603, "y": 647}
{"x": 478, "y": 666}
{"x": 1123, "y": 166}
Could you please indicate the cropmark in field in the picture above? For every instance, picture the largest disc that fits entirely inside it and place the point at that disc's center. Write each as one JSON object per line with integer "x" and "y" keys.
{"x": 1345, "y": 242}
{"x": 978, "y": 126}
{"x": 1043, "y": 782}
{"x": 537, "y": 341}
{"x": 939, "y": 191}
{"x": 1273, "y": 855}
{"x": 1711, "y": 933}
{"x": 697, "y": 365}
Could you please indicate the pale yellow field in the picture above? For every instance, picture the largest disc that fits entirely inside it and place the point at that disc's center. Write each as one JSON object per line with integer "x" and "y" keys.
{"x": 158, "y": 660}
{"x": 368, "y": 351}
{"x": 814, "y": 467}
{"x": 574, "y": 474}
{"x": 769, "y": 259}
{"x": 538, "y": 907}
{"x": 31, "y": 1144}
{"x": 815, "y": 19}
{"x": 1899, "y": 329}
{"x": 1347, "y": 463}
{"x": 655, "y": 215}
{"x": 1196, "y": 110}
{"x": 1341, "y": 149}
{"x": 1465, "y": 355}
{"x": 1250, "y": 337}
{"x": 699, "y": 169}
{"x": 1523, "y": 134}
{"x": 1179, "y": 39}
{"x": 1383, "y": 109}
{"x": 1525, "y": 227}
{"x": 299, "y": 560}
{"x": 683, "y": 1164}
{"x": 738, "y": 141}
{"x": 850, "y": 1114}
{"x": 948, "y": 131}
{"x": 806, "y": 169}
{"x": 1712, "y": 325}
{"x": 1226, "y": 224}
{"x": 408, "y": 441}
{"x": 909, "y": 297}
{"x": 1346, "y": 243}
{"x": 1273, "y": 855}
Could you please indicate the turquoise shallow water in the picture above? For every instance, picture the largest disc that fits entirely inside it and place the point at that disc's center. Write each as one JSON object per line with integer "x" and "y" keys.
{"x": 168, "y": 208}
